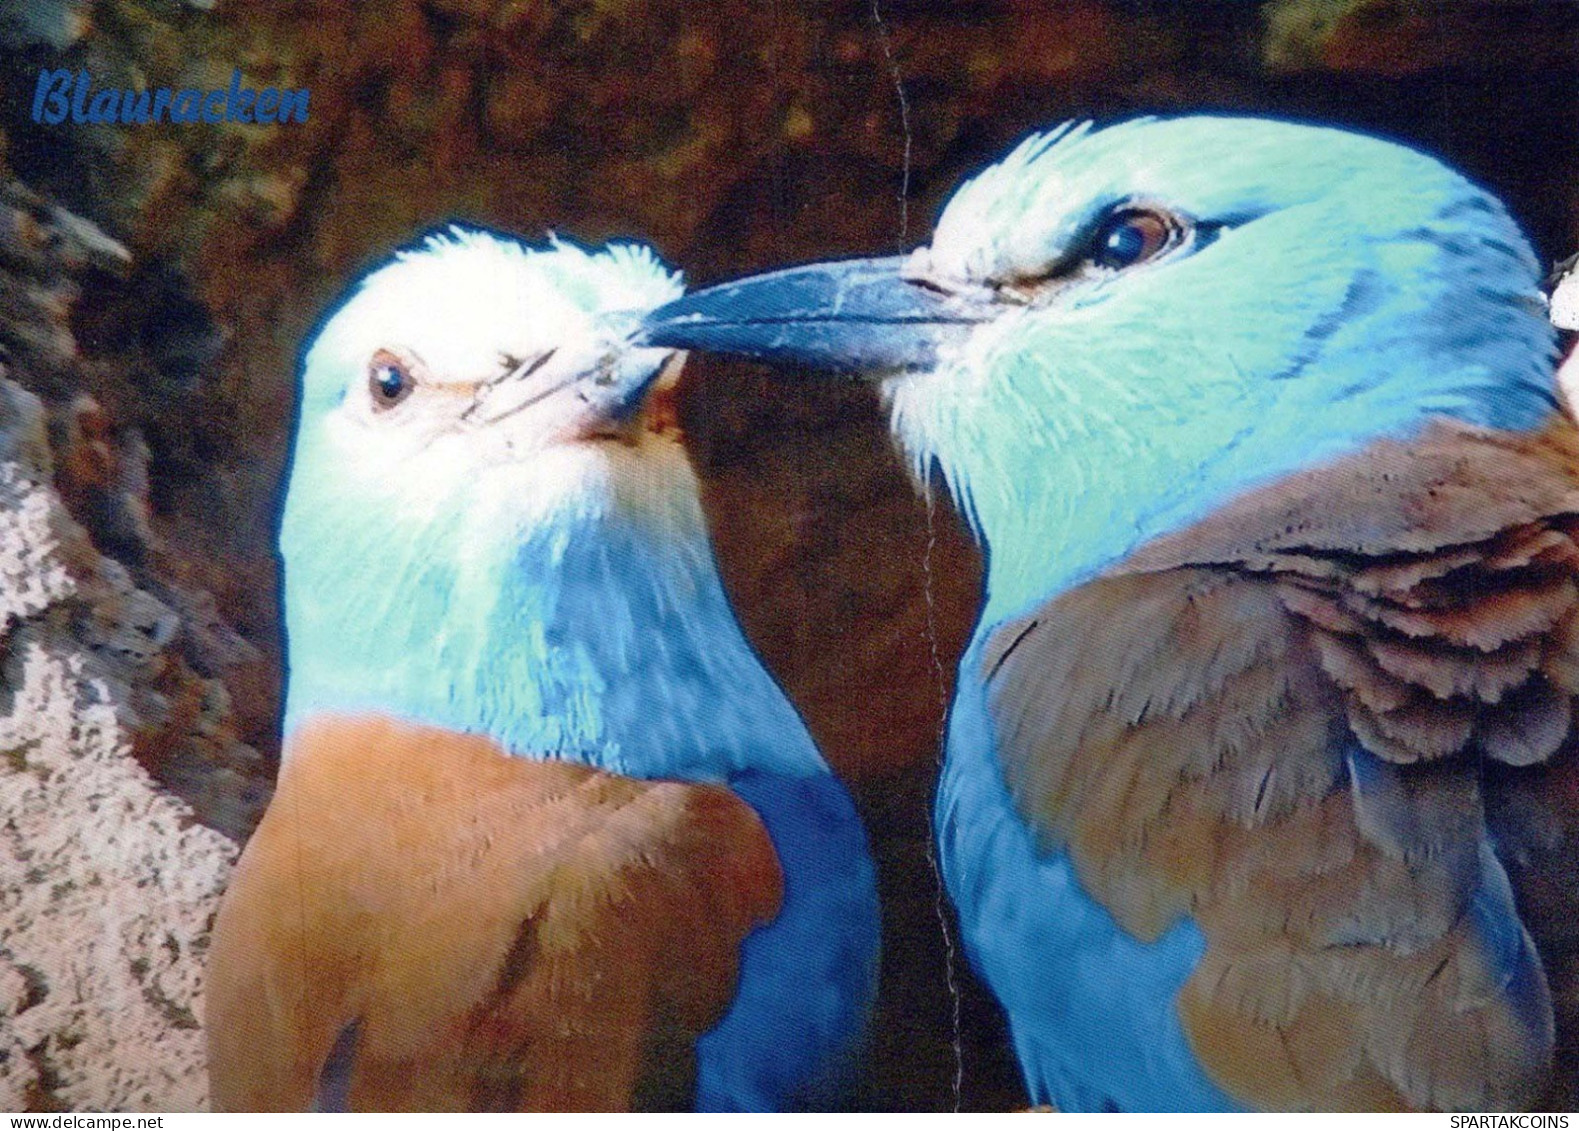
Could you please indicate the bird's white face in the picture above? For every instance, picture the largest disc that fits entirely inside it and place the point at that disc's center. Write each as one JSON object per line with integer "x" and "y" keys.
{"x": 477, "y": 364}
{"x": 573, "y": 392}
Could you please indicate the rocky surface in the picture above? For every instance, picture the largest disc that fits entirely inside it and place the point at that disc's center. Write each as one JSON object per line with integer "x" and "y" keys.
{"x": 113, "y": 706}
{"x": 157, "y": 282}
{"x": 107, "y": 882}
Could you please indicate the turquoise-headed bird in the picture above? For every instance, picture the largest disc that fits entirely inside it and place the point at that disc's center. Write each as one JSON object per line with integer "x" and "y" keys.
{"x": 547, "y": 834}
{"x": 1273, "y": 689}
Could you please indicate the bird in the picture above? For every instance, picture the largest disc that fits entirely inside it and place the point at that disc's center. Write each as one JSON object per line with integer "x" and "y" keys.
{"x": 546, "y": 833}
{"x": 1259, "y": 787}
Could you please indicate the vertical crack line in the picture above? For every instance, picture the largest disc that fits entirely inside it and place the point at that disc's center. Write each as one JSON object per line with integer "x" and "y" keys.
{"x": 940, "y": 899}
{"x": 904, "y": 120}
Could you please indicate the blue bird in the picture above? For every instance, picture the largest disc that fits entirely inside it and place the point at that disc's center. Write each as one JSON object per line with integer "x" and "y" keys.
{"x": 1268, "y": 714}
{"x": 547, "y": 834}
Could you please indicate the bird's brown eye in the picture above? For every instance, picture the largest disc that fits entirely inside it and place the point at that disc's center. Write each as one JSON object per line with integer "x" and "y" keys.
{"x": 1133, "y": 236}
{"x": 389, "y": 380}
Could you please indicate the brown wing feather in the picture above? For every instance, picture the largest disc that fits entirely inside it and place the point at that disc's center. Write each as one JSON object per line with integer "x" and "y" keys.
{"x": 506, "y": 934}
{"x": 1312, "y": 722}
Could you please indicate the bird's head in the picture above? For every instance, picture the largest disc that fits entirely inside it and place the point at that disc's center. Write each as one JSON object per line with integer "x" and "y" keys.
{"x": 477, "y": 366}
{"x": 1113, "y": 330}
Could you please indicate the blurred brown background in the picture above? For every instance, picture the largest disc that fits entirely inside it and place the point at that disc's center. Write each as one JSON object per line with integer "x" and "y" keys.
{"x": 733, "y": 135}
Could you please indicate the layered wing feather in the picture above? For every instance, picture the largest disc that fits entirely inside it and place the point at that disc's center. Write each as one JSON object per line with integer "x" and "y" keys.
{"x": 1328, "y": 724}
{"x": 466, "y": 930}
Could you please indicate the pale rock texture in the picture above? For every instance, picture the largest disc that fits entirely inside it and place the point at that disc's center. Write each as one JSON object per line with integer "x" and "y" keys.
{"x": 107, "y": 883}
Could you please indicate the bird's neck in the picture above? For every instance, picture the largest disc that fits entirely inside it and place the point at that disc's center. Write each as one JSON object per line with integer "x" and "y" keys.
{"x": 1055, "y": 512}
{"x": 597, "y": 636}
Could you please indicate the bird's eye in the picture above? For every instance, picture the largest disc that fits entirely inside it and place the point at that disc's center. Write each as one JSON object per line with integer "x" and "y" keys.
{"x": 389, "y": 380}
{"x": 1133, "y": 236}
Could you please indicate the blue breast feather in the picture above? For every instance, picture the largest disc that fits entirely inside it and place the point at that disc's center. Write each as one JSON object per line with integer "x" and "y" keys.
{"x": 792, "y": 1039}
{"x": 1091, "y": 1008}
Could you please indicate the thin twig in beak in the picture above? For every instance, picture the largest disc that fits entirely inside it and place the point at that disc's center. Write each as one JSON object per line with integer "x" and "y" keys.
{"x": 520, "y": 372}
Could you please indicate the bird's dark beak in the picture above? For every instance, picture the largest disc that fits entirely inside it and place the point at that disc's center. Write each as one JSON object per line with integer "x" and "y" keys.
{"x": 852, "y": 316}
